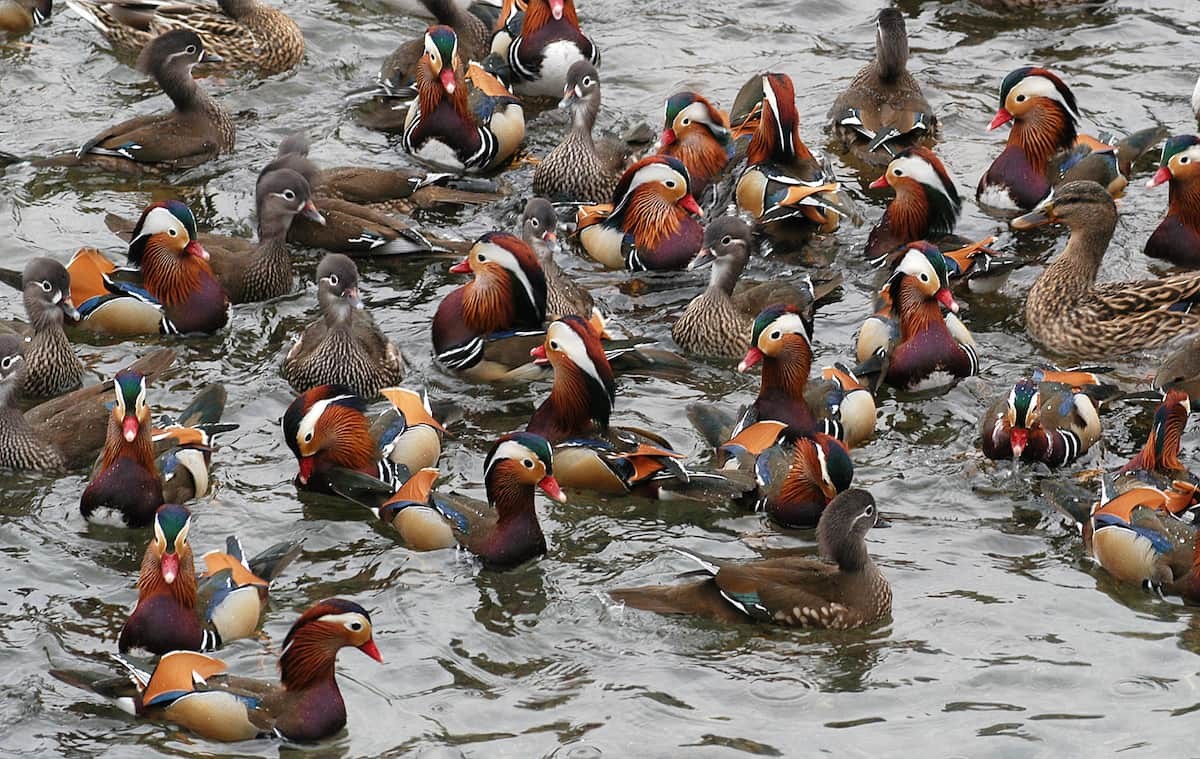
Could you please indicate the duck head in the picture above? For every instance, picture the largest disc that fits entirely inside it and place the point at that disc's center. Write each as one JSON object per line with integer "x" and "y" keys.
{"x": 520, "y": 460}
{"x": 440, "y": 64}
{"x": 281, "y": 194}
{"x": 131, "y": 412}
{"x": 326, "y": 427}
{"x": 652, "y": 200}
{"x": 581, "y": 94}
{"x": 1037, "y": 100}
{"x": 539, "y": 222}
{"x": 46, "y": 291}
{"x": 509, "y": 288}
{"x": 927, "y": 203}
{"x": 170, "y": 547}
{"x": 777, "y": 137}
{"x": 312, "y": 644}
{"x": 1180, "y": 160}
{"x": 165, "y": 232}
{"x": 842, "y": 531}
{"x": 584, "y": 386}
{"x": 780, "y": 331}
{"x": 921, "y": 275}
{"x": 337, "y": 288}
{"x": 727, "y": 249}
{"x": 1084, "y": 206}
{"x": 12, "y": 361}
{"x": 689, "y": 113}
{"x": 1022, "y": 412}
{"x": 891, "y": 44}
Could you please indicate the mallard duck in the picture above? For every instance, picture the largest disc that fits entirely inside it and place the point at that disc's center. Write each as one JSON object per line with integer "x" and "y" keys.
{"x": 883, "y": 110}
{"x": 244, "y": 33}
{"x": 1068, "y": 313}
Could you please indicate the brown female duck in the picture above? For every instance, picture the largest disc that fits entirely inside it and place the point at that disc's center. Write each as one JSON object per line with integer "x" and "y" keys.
{"x": 1068, "y": 313}
{"x": 539, "y": 229}
{"x": 50, "y": 365}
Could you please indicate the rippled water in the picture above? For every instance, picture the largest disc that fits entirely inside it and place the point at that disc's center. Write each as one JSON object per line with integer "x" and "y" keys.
{"x": 1004, "y": 641}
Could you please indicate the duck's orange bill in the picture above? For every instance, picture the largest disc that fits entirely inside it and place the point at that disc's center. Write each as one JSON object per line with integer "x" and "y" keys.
{"x": 539, "y": 355}
{"x": 753, "y": 356}
{"x": 307, "y": 466}
{"x": 370, "y": 649}
{"x": 462, "y": 267}
{"x": 1162, "y": 175}
{"x": 690, "y": 205}
{"x": 880, "y": 183}
{"x": 550, "y": 487}
{"x": 1001, "y": 118}
{"x": 946, "y": 298}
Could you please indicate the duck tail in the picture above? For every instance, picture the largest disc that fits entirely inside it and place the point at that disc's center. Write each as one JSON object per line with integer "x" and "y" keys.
{"x": 687, "y": 598}
{"x": 1136, "y": 145}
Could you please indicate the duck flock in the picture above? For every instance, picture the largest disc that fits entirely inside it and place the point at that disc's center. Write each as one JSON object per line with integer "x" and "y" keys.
{"x": 707, "y": 188}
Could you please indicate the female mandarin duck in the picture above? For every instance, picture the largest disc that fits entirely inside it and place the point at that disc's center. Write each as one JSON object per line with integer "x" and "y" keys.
{"x": 476, "y": 128}
{"x": 173, "y": 290}
{"x": 696, "y": 133}
{"x": 1068, "y": 313}
{"x": 127, "y": 482}
{"x": 327, "y": 430}
{"x": 650, "y": 224}
{"x": 1051, "y": 418}
{"x": 542, "y": 52}
{"x": 1045, "y": 149}
{"x": 62, "y": 433}
{"x": 168, "y": 615}
{"x": 718, "y": 322}
{"x": 883, "y": 110}
{"x": 927, "y": 207}
{"x": 539, "y": 230}
{"x": 789, "y": 194}
{"x": 485, "y": 329}
{"x": 910, "y": 345}
{"x": 345, "y": 346}
{"x": 244, "y": 33}
{"x": 192, "y": 690}
{"x": 844, "y": 592}
{"x": 581, "y": 168}
{"x": 50, "y": 365}
{"x": 504, "y": 531}
{"x": 197, "y": 130}
{"x": 20, "y": 16}
{"x": 1177, "y": 237}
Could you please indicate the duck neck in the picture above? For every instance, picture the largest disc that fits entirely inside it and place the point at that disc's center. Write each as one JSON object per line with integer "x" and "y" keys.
{"x": 1046, "y": 130}
{"x": 787, "y": 372}
{"x": 918, "y": 314}
{"x": 891, "y": 55}
{"x": 538, "y": 15}
{"x": 723, "y": 279}
{"x": 352, "y": 446}
{"x": 431, "y": 95}
{"x": 698, "y": 148}
{"x": 488, "y": 304}
{"x": 651, "y": 219}
{"x": 1079, "y": 263}
{"x": 583, "y": 119}
{"x": 848, "y": 551}
{"x": 517, "y": 520}
{"x": 183, "y": 589}
{"x": 177, "y": 82}
{"x": 43, "y": 317}
{"x": 169, "y": 276}
{"x": 308, "y": 659}
{"x": 336, "y": 312}
{"x": 575, "y": 407}
{"x": 1184, "y": 203}
{"x": 140, "y": 450}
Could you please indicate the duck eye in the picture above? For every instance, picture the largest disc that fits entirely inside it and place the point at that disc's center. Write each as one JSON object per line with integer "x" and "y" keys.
{"x": 898, "y": 172}
{"x": 191, "y": 50}
{"x": 534, "y": 223}
{"x": 308, "y": 437}
{"x": 355, "y": 626}
{"x": 924, "y": 277}
{"x": 289, "y": 195}
{"x": 1183, "y": 159}
{"x": 1020, "y": 98}
{"x": 528, "y": 463}
{"x": 726, "y": 240}
{"x": 333, "y": 280}
{"x": 45, "y": 285}
{"x": 670, "y": 183}
{"x": 481, "y": 258}
{"x": 553, "y": 345}
{"x": 776, "y": 335}
{"x": 869, "y": 511}
{"x": 686, "y": 121}
{"x": 6, "y": 363}
{"x": 587, "y": 81}
{"x": 173, "y": 232}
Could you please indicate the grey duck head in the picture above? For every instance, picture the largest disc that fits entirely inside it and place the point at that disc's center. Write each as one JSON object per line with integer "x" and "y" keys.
{"x": 46, "y": 291}
{"x": 12, "y": 361}
{"x": 337, "y": 288}
{"x": 842, "y": 531}
{"x": 539, "y": 225}
{"x": 727, "y": 248}
{"x": 281, "y": 194}
{"x": 581, "y": 94}
{"x": 891, "y": 44}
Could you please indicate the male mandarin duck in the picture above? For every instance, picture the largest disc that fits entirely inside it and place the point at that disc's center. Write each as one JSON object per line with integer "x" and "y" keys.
{"x": 336, "y": 446}
{"x": 127, "y": 482}
{"x": 718, "y": 322}
{"x": 1136, "y": 536}
{"x": 910, "y": 345}
{"x": 504, "y": 531}
{"x": 469, "y": 122}
{"x": 697, "y": 134}
{"x": 650, "y": 224}
{"x": 539, "y": 230}
{"x": 50, "y": 366}
{"x": 789, "y": 194}
{"x": 345, "y": 346}
{"x": 541, "y": 53}
{"x": 1051, "y": 418}
{"x": 193, "y": 690}
{"x": 1045, "y": 149}
{"x": 178, "y": 611}
{"x": 485, "y": 329}
{"x": 796, "y": 480}
{"x": 845, "y": 591}
{"x": 1157, "y": 462}
{"x": 883, "y": 110}
{"x": 582, "y": 168}
{"x": 1068, "y": 313}
{"x": 20, "y": 16}
{"x": 1177, "y": 237}
{"x": 927, "y": 207}
{"x": 65, "y": 432}
{"x": 244, "y": 33}
{"x": 197, "y": 130}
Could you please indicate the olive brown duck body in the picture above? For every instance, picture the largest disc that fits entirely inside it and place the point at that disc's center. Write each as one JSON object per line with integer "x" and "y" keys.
{"x": 197, "y": 130}
{"x": 50, "y": 366}
{"x": 345, "y": 346}
{"x": 846, "y": 591}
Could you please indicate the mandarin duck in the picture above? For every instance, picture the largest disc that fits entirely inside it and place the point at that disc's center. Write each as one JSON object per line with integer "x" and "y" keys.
{"x": 789, "y": 194}
{"x": 1045, "y": 149}
{"x": 20, "y": 16}
{"x": 1051, "y": 417}
{"x": 590, "y": 454}
{"x": 50, "y": 366}
{"x": 1181, "y": 369}
{"x": 844, "y": 591}
{"x": 345, "y": 346}
{"x": 546, "y": 44}
{"x": 719, "y": 322}
{"x": 697, "y": 134}
{"x": 176, "y": 611}
{"x": 464, "y": 122}
{"x": 503, "y": 531}
{"x": 1157, "y": 462}
{"x": 1135, "y": 535}
{"x": 883, "y": 110}
{"x": 927, "y": 207}
{"x": 127, "y": 483}
{"x": 539, "y": 230}
{"x": 1177, "y": 236}
{"x": 340, "y": 452}
{"x": 796, "y": 481}
{"x": 582, "y": 168}
{"x": 485, "y": 329}
{"x": 197, "y": 130}
{"x": 243, "y": 33}
{"x": 1068, "y": 313}
{"x": 909, "y": 344}
{"x": 172, "y": 290}
{"x": 650, "y": 224}
{"x": 65, "y": 432}
{"x": 193, "y": 690}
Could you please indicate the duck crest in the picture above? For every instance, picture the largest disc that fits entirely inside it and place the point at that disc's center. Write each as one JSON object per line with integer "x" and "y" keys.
{"x": 777, "y": 138}
{"x": 640, "y": 208}
{"x": 584, "y": 388}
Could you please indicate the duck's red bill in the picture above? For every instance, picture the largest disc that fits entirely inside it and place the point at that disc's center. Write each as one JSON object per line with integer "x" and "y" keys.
{"x": 1001, "y": 118}
{"x": 550, "y": 486}
{"x": 307, "y": 465}
{"x": 369, "y": 648}
{"x": 462, "y": 267}
{"x": 879, "y": 184}
{"x": 753, "y": 356}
